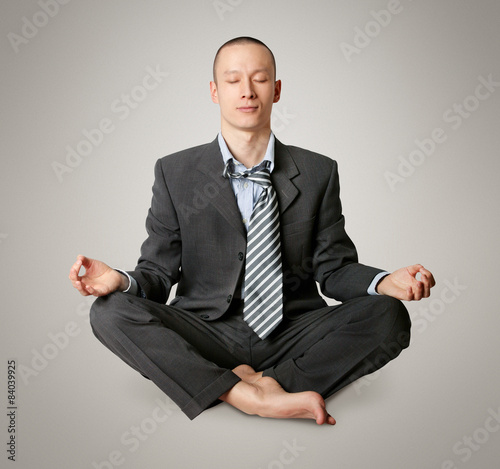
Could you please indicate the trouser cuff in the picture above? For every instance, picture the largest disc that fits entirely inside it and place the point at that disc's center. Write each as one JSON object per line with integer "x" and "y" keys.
{"x": 209, "y": 396}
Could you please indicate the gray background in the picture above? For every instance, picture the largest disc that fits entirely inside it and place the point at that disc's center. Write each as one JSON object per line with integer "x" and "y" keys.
{"x": 78, "y": 404}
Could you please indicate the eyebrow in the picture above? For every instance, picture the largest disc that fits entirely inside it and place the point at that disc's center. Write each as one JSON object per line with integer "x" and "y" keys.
{"x": 260, "y": 70}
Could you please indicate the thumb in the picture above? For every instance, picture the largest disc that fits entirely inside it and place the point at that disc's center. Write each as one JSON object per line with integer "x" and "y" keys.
{"x": 83, "y": 261}
{"x": 414, "y": 269}
{"x": 92, "y": 267}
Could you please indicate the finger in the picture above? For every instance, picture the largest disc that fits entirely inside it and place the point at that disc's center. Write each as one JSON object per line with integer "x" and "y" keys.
{"x": 428, "y": 276}
{"x": 84, "y": 262}
{"x": 78, "y": 285}
{"x": 418, "y": 291}
{"x": 73, "y": 276}
{"x": 414, "y": 284}
{"x": 426, "y": 286}
{"x": 428, "y": 280}
{"x": 75, "y": 269}
{"x": 414, "y": 269}
{"x": 80, "y": 259}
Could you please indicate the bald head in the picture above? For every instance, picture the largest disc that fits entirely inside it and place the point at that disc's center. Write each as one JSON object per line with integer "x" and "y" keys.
{"x": 242, "y": 41}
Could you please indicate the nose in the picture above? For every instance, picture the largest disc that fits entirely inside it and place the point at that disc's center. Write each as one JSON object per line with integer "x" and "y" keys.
{"x": 247, "y": 89}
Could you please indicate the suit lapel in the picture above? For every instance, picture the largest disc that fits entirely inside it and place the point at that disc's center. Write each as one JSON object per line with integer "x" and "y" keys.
{"x": 220, "y": 194}
{"x": 284, "y": 170}
{"x": 217, "y": 188}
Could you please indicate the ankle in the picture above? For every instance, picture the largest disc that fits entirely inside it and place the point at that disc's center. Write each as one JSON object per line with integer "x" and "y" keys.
{"x": 247, "y": 373}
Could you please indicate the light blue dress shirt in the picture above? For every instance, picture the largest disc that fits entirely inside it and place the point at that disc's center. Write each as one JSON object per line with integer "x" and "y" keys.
{"x": 246, "y": 192}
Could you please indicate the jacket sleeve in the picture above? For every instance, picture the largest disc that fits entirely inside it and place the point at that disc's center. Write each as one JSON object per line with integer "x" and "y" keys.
{"x": 335, "y": 259}
{"x": 158, "y": 267}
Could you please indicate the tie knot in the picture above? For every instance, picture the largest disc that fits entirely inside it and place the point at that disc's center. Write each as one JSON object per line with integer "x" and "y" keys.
{"x": 260, "y": 174}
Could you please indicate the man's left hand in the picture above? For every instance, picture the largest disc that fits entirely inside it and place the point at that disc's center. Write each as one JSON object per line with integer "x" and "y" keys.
{"x": 404, "y": 285}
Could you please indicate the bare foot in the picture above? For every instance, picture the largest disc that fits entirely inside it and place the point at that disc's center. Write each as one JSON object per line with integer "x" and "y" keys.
{"x": 258, "y": 395}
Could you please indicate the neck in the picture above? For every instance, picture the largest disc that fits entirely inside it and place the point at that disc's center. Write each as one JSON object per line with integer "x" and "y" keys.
{"x": 249, "y": 148}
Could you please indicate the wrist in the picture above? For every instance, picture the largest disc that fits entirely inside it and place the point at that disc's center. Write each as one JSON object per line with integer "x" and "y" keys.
{"x": 379, "y": 288}
{"x": 124, "y": 282}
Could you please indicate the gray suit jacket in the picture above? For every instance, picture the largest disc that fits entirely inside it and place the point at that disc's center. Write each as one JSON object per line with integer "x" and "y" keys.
{"x": 196, "y": 237}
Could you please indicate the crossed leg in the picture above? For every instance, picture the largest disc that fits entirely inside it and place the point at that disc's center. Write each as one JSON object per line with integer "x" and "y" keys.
{"x": 198, "y": 366}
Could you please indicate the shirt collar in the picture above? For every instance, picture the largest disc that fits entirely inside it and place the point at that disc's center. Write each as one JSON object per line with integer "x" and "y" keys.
{"x": 226, "y": 154}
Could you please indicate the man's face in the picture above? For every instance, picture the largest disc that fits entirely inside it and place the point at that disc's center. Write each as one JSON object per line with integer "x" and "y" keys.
{"x": 245, "y": 88}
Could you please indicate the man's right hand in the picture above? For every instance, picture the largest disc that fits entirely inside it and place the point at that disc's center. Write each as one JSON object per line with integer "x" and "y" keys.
{"x": 99, "y": 279}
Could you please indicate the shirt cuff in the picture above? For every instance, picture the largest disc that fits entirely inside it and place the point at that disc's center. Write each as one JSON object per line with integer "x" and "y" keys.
{"x": 133, "y": 286}
{"x": 371, "y": 289}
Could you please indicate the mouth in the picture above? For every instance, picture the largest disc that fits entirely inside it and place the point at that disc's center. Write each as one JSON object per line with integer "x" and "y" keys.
{"x": 247, "y": 108}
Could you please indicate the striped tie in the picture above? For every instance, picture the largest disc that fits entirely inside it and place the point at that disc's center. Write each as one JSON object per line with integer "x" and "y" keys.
{"x": 262, "y": 308}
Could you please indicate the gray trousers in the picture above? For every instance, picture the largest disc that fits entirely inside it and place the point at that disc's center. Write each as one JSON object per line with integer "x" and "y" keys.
{"x": 191, "y": 359}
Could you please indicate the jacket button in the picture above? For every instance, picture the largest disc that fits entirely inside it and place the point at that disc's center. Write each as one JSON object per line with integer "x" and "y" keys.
{"x": 204, "y": 316}
{"x": 240, "y": 256}
{"x": 229, "y": 298}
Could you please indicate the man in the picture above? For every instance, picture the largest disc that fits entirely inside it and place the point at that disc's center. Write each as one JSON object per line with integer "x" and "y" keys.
{"x": 247, "y": 227}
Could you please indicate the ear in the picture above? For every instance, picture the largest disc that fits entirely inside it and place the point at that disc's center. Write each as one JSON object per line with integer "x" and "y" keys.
{"x": 277, "y": 91}
{"x": 213, "y": 92}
